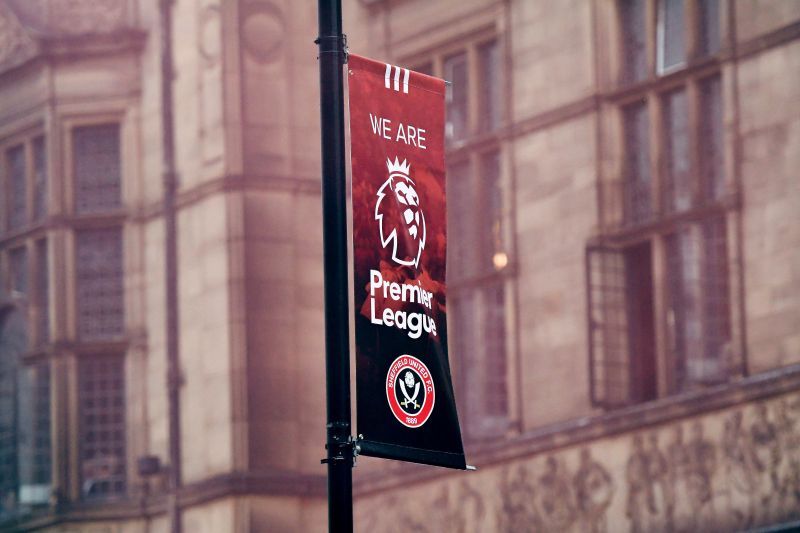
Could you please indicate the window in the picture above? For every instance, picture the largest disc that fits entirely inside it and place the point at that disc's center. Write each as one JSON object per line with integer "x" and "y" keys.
{"x": 42, "y": 294}
{"x": 634, "y": 24}
{"x": 34, "y": 435}
{"x": 99, "y": 284}
{"x": 24, "y": 167}
{"x": 18, "y": 264}
{"x": 102, "y": 426}
{"x": 25, "y": 415}
{"x": 677, "y": 184}
{"x": 28, "y": 304}
{"x": 25, "y": 441}
{"x": 698, "y": 316}
{"x": 490, "y": 98}
{"x": 478, "y": 257}
{"x": 638, "y": 182}
{"x": 40, "y": 178}
{"x": 97, "y": 168}
{"x": 671, "y": 35}
{"x": 621, "y": 325}
{"x": 712, "y": 163}
{"x": 477, "y": 285}
{"x": 683, "y": 32}
{"x": 709, "y": 38}
{"x": 18, "y": 187}
{"x": 660, "y": 294}
{"x": 99, "y": 311}
{"x": 456, "y": 99}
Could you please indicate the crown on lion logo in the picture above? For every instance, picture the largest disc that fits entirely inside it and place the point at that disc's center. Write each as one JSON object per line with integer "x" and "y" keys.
{"x": 396, "y": 167}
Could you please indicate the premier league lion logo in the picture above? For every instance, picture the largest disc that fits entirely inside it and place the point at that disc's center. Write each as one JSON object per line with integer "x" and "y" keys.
{"x": 401, "y": 221}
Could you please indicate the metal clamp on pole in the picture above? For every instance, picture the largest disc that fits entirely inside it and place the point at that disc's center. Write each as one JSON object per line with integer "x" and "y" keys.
{"x": 341, "y": 449}
{"x": 333, "y": 44}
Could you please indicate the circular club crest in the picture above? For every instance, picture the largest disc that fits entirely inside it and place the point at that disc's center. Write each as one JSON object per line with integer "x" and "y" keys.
{"x": 410, "y": 391}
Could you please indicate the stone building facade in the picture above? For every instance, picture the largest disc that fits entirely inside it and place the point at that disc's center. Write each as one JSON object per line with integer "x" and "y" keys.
{"x": 625, "y": 305}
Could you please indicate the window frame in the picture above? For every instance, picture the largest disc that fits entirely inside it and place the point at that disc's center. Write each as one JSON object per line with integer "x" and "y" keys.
{"x": 694, "y": 52}
{"x": 25, "y": 137}
{"x": 83, "y": 349}
{"x": 471, "y": 150}
{"x": 27, "y": 237}
{"x": 615, "y": 232}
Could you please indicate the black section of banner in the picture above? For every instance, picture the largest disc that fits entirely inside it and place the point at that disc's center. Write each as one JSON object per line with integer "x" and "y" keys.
{"x": 414, "y": 455}
{"x": 378, "y": 346}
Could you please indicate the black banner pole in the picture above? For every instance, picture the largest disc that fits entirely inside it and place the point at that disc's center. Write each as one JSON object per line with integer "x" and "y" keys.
{"x": 334, "y": 219}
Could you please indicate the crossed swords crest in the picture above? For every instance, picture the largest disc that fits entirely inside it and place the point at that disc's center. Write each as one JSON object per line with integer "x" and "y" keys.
{"x": 409, "y": 381}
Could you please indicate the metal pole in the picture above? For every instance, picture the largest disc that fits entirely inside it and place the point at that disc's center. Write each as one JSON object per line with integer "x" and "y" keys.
{"x": 334, "y": 222}
{"x": 169, "y": 178}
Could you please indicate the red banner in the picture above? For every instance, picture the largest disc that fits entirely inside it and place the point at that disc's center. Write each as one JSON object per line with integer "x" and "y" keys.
{"x": 406, "y": 409}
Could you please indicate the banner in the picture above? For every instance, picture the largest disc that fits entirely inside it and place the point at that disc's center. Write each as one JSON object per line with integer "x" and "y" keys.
{"x": 405, "y": 408}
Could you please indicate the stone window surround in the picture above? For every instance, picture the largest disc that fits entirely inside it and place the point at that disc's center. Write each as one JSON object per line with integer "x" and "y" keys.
{"x": 614, "y": 232}
{"x": 471, "y": 151}
{"x": 694, "y": 48}
{"x": 57, "y": 227}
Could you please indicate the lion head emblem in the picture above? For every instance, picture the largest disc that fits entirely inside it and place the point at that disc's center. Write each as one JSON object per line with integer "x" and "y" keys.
{"x": 397, "y": 210}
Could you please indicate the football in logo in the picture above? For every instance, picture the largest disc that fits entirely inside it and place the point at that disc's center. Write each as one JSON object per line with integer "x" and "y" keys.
{"x": 400, "y": 218}
{"x": 410, "y": 391}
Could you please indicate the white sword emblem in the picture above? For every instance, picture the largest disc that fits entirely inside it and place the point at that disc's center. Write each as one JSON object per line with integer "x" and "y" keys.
{"x": 409, "y": 399}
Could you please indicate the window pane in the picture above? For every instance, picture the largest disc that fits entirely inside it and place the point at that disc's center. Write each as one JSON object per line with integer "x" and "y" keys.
{"x": 478, "y": 317}
{"x": 40, "y": 177}
{"x": 712, "y": 159}
{"x": 461, "y": 223}
{"x": 709, "y": 26}
{"x": 97, "y": 168}
{"x": 699, "y": 302}
{"x": 42, "y": 292}
{"x": 671, "y": 47}
{"x": 678, "y": 189}
{"x": 494, "y": 363}
{"x": 490, "y": 86}
{"x": 608, "y": 328}
{"x": 634, "y": 39}
{"x": 102, "y": 427}
{"x": 34, "y": 435}
{"x": 685, "y": 312}
{"x": 492, "y": 249}
{"x": 455, "y": 71}
{"x": 11, "y": 345}
{"x": 638, "y": 206}
{"x": 19, "y": 270}
{"x": 15, "y": 159}
{"x": 99, "y": 283}
{"x": 717, "y": 325}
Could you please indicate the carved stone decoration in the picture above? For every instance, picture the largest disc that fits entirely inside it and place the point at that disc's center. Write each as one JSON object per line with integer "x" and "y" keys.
{"x": 71, "y": 17}
{"x": 210, "y": 36}
{"x": 15, "y": 43}
{"x": 594, "y": 491}
{"x": 87, "y": 16}
{"x": 263, "y": 31}
{"x": 517, "y": 510}
{"x": 724, "y": 471}
{"x": 556, "y": 504}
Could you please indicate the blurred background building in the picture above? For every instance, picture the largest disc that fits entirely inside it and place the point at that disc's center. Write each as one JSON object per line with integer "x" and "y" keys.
{"x": 624, "y": 267}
